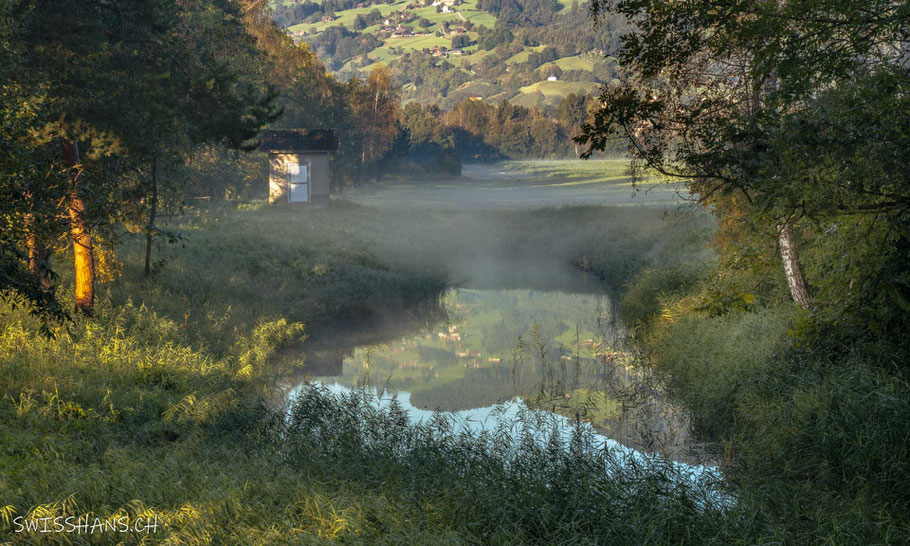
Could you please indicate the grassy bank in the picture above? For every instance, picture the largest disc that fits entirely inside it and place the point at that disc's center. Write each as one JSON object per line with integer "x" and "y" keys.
{"x": 813, "y": 414}
{"x": 161, "y": 404}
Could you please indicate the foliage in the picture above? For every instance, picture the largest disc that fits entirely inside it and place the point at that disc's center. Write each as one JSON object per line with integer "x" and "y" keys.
{"x": 484, "y": 131}
{"x": 781, "y": 113}
{"x": 760, "y": 112}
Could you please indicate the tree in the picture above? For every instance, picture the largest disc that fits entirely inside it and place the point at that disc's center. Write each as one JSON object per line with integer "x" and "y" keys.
{"x": 572, "y": 112}
{"x": 31, "y": 184}
{"x": 461, "y": 40}
{"x": 429, "y": 142}
{"x": 375, "y": 109}
{"x": 738, "y": 98}
{"x": 116, "y": 79}
{"x": 551, "y": 70}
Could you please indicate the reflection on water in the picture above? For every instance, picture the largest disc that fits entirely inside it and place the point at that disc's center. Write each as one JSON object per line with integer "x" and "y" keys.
{"x": 557, "y": 351}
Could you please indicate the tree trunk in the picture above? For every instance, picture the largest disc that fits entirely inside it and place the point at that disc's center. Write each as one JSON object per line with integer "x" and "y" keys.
{"x": 82, "y": 240}
{"x": 792, "y": 270}
{"x": 151, "y": 226}
{"x": 38, "y": 256}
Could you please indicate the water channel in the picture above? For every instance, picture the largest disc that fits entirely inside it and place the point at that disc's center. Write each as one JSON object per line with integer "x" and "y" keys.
{"x": 540, "y": 336}
{"x": 480, "y": 352}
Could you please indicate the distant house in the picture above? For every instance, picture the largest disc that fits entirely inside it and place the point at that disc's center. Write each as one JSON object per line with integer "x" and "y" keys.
{"x": 457, "y": 51}
{"x": 552, "y": 79}
{"x": 299, "y": 165}
{"x": 327, "y": 19}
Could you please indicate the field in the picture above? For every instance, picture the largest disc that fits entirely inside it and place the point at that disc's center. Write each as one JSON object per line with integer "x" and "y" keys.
{"x": 560, "y": 89}
{"x": 522, "y": 56}
{"x": 416, "y": 43}
{"x": 574, "y": 63}
{"x": 524, "y": 184}
{"x": 346, "y": 17}
{"x": 547, "y": 93}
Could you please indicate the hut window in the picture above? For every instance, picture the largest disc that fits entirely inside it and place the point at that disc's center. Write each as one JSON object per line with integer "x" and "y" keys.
{"x": 298, "y": 182}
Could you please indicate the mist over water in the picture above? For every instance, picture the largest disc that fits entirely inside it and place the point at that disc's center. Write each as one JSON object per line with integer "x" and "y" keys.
{"x": 524, "y": 320}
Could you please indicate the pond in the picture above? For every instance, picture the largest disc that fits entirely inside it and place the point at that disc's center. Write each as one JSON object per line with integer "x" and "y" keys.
{"x": 476, "y": 350}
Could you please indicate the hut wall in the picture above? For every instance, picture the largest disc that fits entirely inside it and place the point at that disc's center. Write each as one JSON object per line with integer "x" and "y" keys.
{"x": 319, "y": 176}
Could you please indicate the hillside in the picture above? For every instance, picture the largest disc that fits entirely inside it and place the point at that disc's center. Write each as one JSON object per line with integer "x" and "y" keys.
{"x": 532, "y": 53}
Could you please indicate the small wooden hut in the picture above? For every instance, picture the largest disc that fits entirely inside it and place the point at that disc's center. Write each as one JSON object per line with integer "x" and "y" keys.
{"x": 299, "y": 165}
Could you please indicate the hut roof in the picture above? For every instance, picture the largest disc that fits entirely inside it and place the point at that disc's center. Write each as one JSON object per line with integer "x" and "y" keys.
{"x": 298, "y": 140}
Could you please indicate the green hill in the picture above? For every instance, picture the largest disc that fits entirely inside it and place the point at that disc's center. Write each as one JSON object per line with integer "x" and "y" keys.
{"x": 487, "y": 49}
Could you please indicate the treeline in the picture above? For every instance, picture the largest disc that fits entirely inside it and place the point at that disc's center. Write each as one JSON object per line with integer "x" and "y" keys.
{"x": 483, "y": 131}
{"x": 336, "y": 45}
{"x": 113, "y": 118}
{"x": 570, "y": 32}
{"x": 521, "y": 12}
{"x": 432, "y": 140}
{"x": 287, "y": 15}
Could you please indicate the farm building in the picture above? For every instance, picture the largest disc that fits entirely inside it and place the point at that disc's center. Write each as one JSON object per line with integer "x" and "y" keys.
{"x": 299, "y": 165}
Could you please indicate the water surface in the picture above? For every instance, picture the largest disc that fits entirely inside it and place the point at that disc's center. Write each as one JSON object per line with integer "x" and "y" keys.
{"x": 479, "y": 349}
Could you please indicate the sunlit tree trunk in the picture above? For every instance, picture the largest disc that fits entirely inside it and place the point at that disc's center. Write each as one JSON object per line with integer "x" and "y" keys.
{"x": 151, "y": 226}
{"x": 790, "y": 258}
{"x": 82, "y": 240}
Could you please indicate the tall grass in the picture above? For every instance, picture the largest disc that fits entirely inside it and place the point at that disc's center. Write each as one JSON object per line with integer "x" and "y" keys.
{"x": 815, "y": 437}
{"x": 117, "y": 417}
